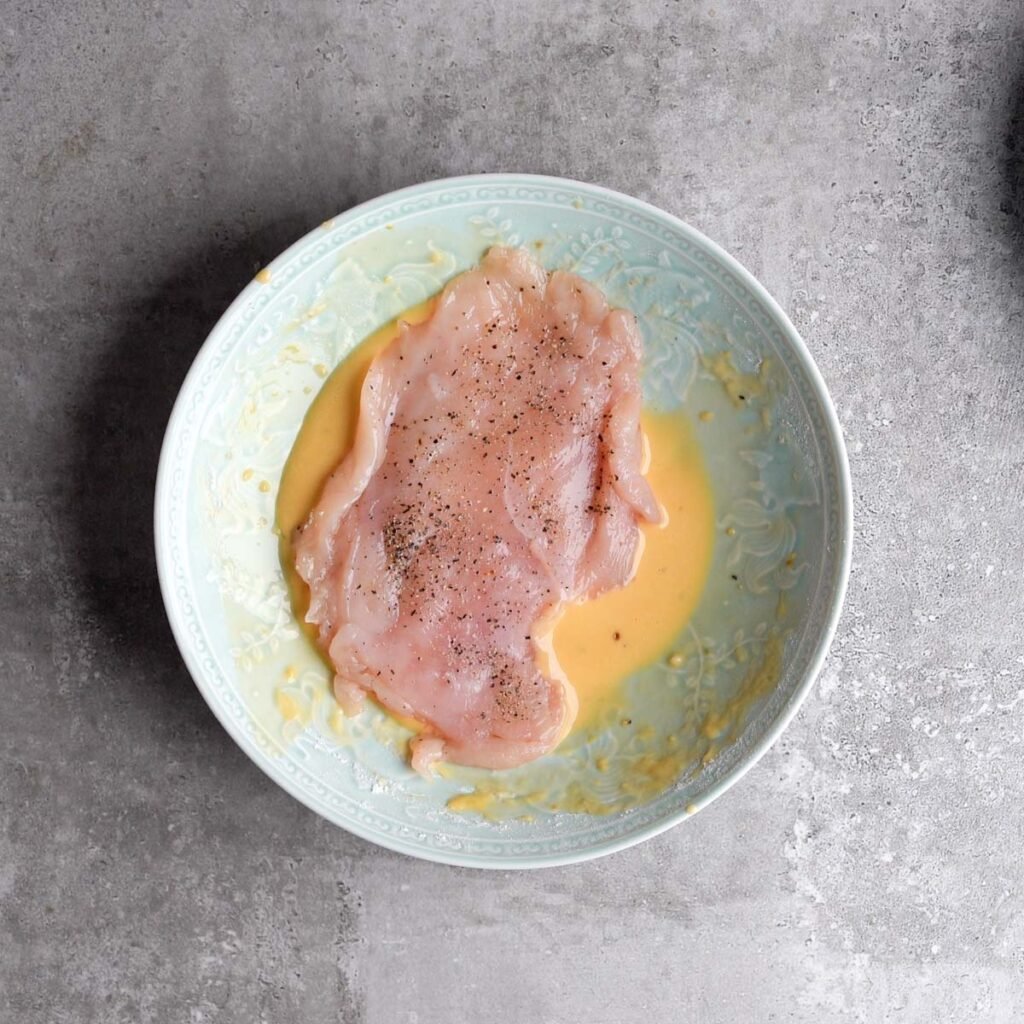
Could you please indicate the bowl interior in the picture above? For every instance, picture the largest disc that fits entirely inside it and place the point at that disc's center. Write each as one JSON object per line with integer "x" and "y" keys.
{"x": 781, "y": 509}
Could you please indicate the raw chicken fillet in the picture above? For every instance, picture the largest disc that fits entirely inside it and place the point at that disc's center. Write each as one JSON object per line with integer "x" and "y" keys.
{"x": 496, "y": 475}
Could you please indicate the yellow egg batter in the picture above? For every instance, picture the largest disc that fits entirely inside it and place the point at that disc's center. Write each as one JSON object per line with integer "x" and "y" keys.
{"x": 597, "y": 644}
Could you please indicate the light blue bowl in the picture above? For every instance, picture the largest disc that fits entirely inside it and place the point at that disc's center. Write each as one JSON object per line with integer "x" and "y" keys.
{"x": 782, "y": 495}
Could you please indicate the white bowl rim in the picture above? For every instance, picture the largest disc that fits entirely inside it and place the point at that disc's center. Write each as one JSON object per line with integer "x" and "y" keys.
{"x": 844, "y": 513}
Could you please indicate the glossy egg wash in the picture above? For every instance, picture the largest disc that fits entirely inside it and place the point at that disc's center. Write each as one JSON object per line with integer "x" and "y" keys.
{"x": 598, "y": 644}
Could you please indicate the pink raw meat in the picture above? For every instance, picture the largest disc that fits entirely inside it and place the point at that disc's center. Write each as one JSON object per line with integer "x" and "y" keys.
{"x": 496, "y": 474}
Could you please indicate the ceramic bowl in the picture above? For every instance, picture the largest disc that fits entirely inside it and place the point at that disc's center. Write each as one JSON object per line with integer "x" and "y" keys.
{"x": 782, "y": 521}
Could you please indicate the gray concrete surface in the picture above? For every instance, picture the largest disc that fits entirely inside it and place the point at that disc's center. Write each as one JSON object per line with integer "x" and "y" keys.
{"x": 865, "y": 161}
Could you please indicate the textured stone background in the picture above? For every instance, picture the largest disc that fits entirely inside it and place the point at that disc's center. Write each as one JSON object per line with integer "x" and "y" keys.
{"x": 866, "y": 161}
